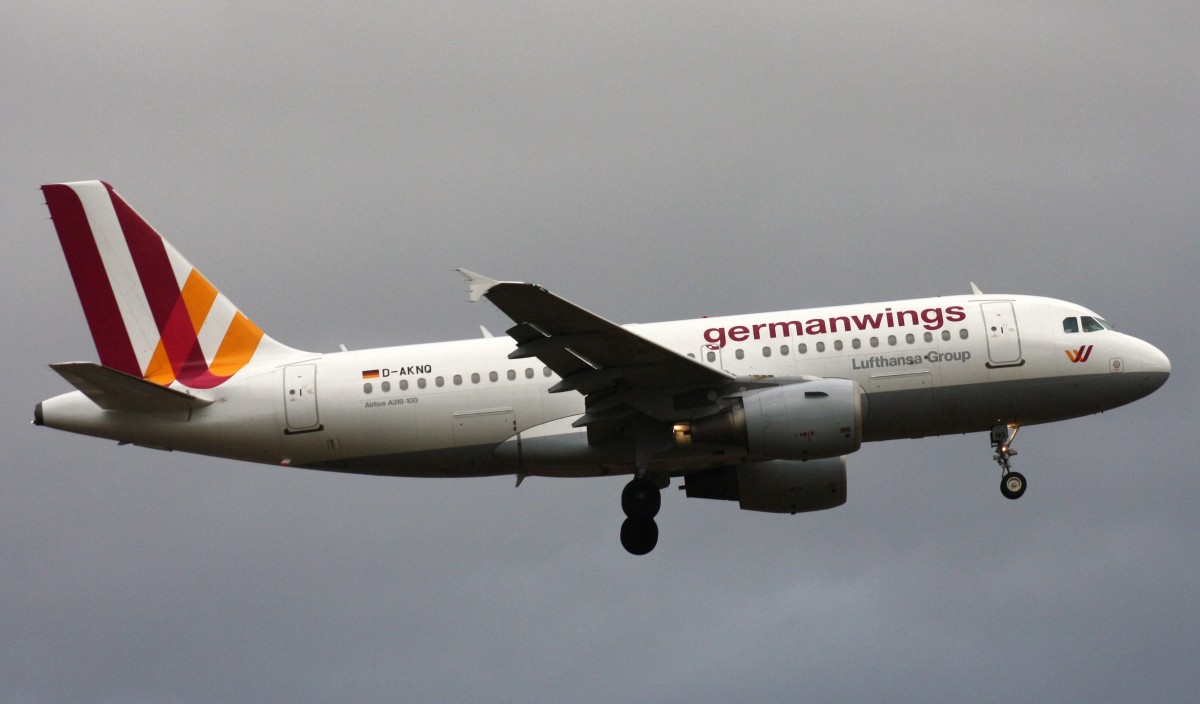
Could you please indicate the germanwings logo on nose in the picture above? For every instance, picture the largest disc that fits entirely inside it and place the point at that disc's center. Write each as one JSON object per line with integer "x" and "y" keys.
{"x": 1079, "y": 355}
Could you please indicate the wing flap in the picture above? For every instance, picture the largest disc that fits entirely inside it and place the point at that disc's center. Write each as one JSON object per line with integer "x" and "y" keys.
{"x": 114, "y": 390}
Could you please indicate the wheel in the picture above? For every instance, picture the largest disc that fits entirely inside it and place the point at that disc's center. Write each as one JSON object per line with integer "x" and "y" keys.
{"x": 639, "y": 535}
{"x": 641, "y": 499}
{"x": 1013, "y": 485}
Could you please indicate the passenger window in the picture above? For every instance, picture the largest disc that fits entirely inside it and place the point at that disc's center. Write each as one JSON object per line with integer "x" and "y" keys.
{"x": 529, "y": 372}
{"x": 712, "y": 356}
{"x": 929, "y": 337}
{"x": 766, "y": 351}
{"x": 874, "y": 341}
{"x": 892, "y": 340}
{"x": 512, "y": 374}
{"x": 963, "y": 333}
{"x": 740, "y": 354}
{"x": 837, "y": 345}
{"x": 546, "y": 371}
{"x": 404, "y": 384}
{"x": 385, "y": 386}
{"x": 820, "y": 346}
{"x": 457, "y": 380}
{"x": 421, "y": 383}
{"x": 910, "y": 339}
{"x": 783, "y": 350}
{"x": 856, "y": 343}
{"x": 802, "y": 348}
{"x": 946, "y": 335}
{"x": 439, "y": 382}
{"x": 367, "y": 388}
{"x": 492, "y": 376}
{"x": 1070, "y": 324}
{"x": 475, "y": 378}
{"x": 1090, "y": 324}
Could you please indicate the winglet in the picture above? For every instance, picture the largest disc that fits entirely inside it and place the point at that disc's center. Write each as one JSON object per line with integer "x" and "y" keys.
{"x": 477, "y": 284}
{"x": 975, "y": 289}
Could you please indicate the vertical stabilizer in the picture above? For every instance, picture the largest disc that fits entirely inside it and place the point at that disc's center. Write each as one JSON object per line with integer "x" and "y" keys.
{"x": 151, "y": 313}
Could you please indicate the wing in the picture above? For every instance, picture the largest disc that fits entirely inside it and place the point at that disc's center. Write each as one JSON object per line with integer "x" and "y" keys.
{"x": 611, "y": 365}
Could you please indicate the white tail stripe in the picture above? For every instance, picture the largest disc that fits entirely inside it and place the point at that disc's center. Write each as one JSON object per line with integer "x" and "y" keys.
{"x": 212, "y": 331}
{"x": 118, "y": 263}
{"x": 180, "y": 266}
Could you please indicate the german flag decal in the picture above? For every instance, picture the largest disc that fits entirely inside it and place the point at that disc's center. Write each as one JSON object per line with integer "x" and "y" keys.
{"x": 370, "y": 373}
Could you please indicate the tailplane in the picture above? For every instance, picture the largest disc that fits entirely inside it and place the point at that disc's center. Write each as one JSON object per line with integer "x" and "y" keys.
{"x": 151, "y": 313}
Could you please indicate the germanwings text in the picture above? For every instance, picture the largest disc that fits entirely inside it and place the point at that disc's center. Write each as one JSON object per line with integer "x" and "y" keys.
{"x": 929, "y": 318}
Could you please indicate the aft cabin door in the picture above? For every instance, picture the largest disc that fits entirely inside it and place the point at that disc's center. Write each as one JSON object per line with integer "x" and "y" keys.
{"x": 1004, "y": 342}
{"x": 300, "y": 398}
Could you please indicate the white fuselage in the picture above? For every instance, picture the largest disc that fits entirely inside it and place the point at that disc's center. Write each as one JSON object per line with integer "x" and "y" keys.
{"x": 928, "y": 366}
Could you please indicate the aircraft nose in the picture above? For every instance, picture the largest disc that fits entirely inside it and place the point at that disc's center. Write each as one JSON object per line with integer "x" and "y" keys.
{"x": 1154, "y": 364}
{"x": 1156, "y": 361}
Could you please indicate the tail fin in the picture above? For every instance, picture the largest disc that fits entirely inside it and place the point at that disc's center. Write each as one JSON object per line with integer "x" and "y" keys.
{"x": 151, "y": 313}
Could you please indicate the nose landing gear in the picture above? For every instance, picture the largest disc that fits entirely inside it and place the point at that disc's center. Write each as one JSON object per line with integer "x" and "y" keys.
{"x": 1012, "y": 484}
{"x": 640, "y": 500}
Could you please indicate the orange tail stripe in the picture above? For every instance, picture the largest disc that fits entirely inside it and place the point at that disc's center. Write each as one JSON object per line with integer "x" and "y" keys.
{"x": 198, "y": 297}
{"x": 159, "y": 370}
{"x": 241, "y": 340}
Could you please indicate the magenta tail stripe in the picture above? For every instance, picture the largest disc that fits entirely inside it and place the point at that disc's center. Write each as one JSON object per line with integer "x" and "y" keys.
{"x": 162, "y": 291}
{"x": 91, "y": 281}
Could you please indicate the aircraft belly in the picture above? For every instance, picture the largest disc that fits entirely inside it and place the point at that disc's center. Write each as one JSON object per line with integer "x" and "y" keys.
{"x": 968, "y": 408}
{"x": 473, "y": 461}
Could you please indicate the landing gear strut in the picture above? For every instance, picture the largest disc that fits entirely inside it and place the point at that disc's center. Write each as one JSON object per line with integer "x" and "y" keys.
{"x": 640, "y": 500}
{"x": 1012, "y": 484}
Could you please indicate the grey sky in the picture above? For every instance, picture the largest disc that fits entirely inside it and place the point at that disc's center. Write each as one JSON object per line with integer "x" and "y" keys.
{"x": 328, "y": 168}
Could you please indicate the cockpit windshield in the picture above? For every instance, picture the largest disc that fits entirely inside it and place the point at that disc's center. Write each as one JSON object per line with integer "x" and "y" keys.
{"x": 1090, "y": 324}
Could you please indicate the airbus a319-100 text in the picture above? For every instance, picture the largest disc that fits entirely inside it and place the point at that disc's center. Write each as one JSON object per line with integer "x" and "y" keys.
{"x": 760, "y": 409}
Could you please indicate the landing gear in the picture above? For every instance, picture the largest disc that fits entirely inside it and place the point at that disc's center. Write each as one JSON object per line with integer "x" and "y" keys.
{"x": 1012, "y": 484}
{"x": 640, "y": 500}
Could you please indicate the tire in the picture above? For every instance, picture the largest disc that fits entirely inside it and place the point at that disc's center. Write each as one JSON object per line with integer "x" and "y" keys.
{"x": 1013, "y": 485}
{"x": 641, "y": 499}
{"x": 639, "y": 535}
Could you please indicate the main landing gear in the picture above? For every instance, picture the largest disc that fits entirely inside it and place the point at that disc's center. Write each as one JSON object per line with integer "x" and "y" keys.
{"x": 640, "y": 500}
{"x": 1012, "y": 484}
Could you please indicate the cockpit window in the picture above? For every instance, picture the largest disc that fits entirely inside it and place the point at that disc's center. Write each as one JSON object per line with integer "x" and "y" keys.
{"x": 1091, "y": 324}
{"x": 1070, "y": 324}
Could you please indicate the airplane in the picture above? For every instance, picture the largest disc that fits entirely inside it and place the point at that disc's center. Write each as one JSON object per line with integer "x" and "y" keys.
{"x": 761, "y": 409}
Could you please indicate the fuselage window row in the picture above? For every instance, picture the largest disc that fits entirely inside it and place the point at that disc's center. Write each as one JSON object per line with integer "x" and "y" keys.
{"x": 1090, "y": 325}
{"x": 839, "y": 345}
{"x": 457, "y": 380}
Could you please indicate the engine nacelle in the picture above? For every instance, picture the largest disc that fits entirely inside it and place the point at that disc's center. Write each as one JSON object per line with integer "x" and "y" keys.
{"x": 803, "y": 421}
{"x": 776, "y": 486}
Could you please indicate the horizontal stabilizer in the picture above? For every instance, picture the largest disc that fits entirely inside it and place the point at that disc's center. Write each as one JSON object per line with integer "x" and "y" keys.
{"x": 117, "y": 391}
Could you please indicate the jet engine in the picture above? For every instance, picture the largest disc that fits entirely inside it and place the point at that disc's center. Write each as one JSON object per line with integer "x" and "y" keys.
{"x": 775, "y": 486}
{"x": 802, "y": 421}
